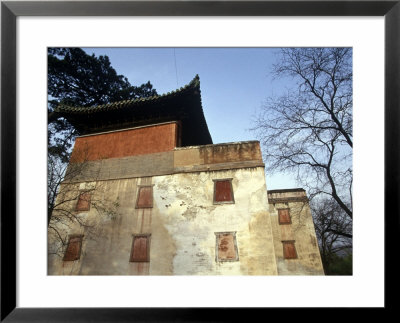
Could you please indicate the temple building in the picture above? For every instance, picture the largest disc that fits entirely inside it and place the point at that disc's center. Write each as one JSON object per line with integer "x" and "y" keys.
{"x": 148, "y": 193}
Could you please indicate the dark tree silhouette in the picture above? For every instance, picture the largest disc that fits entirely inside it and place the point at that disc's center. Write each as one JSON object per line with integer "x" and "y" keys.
{"x": 78, "y": 79}
{"x": 334, "y": 232}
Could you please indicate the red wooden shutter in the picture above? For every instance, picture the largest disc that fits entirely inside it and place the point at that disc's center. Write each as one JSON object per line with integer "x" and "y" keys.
{"x": 145, "y": 197}
{"x": 226, "y": 247}
{"x": 284, "y": 216}
{"x": 140, "y": 249}
{"x": 73, "y": 251}
{"x": 223, "y": 191}
{"x": 83, "y": 202}
{"x": 289, "y": 250}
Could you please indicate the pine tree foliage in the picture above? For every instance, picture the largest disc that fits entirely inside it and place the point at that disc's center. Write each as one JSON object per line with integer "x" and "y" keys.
{"x": 78, "y": 79}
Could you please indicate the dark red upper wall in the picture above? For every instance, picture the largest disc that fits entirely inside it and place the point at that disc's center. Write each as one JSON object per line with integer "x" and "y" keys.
{"x": 138, "y": 141}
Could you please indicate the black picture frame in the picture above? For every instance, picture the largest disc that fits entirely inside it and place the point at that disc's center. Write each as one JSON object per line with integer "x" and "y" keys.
{"x": 10, "y": 10}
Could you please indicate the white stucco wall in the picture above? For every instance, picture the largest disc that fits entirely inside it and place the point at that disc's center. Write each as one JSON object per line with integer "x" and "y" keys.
{"x": 182, "y": 223}
{"x": 185, "y": 201}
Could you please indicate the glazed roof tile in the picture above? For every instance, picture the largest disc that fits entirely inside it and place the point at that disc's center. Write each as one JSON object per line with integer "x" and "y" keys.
{"x": 195, "y": 83}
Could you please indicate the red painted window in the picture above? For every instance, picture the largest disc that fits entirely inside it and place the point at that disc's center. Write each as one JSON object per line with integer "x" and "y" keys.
{"x": 140, "y": 249}
{"x": 83, "y": 202}
{"x": 223, "y": 191}
{"x": 289, "y": 250}
{"x": 226, "y": 247}
{"x": 145, "y": 197}
{"x": 284, "y": 216}
{"x": 73, "y": 251}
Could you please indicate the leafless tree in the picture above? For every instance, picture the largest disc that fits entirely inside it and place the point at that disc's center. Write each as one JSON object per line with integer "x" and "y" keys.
{"x": 333, "y": 228}
{"x": 64, "y": 191}
{"x": 308, "y": 130}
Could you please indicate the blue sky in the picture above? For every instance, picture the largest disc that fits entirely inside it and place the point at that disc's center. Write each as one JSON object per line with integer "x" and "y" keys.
{"x": 234, "y": 84}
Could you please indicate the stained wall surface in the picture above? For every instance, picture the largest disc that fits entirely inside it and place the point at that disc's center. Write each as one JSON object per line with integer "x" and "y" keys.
{"x": 178, "y": 160}
{"x": 182, "y": 225}
{"x": 183, "y": 222}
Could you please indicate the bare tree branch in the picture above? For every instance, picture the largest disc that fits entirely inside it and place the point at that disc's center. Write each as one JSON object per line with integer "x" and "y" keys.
{"x": 63, "y": 195}
{"x": 308, "y": 129}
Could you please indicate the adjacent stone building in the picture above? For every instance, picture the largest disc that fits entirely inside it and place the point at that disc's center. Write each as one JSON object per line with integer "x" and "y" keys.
{"x": 148, "y": 193}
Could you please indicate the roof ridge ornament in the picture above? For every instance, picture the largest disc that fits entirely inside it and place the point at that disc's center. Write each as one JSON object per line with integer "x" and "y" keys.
{"x": 195, "y": 81}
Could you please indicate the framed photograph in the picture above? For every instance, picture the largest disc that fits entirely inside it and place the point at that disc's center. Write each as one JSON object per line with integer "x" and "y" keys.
{"x": 28, "y": 292}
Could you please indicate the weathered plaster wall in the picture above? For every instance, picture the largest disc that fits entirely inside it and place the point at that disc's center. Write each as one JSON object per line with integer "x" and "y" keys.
{"x": 179, "y": 160}
{"x": 183, "y": 220}
{"x": 301, "y": 230}
{"x": 191, "y": 219}
{"x": 107, "y": 238}
{"x": 216, "y": 154}
{"x": 182, "y": 224}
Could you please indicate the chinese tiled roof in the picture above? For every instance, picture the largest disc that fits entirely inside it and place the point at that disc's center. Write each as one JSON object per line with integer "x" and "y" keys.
{"x": 182, "y": 105}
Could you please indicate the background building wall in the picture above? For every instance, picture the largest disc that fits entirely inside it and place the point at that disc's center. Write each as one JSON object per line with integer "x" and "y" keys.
{"x": 301, "y": 231}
